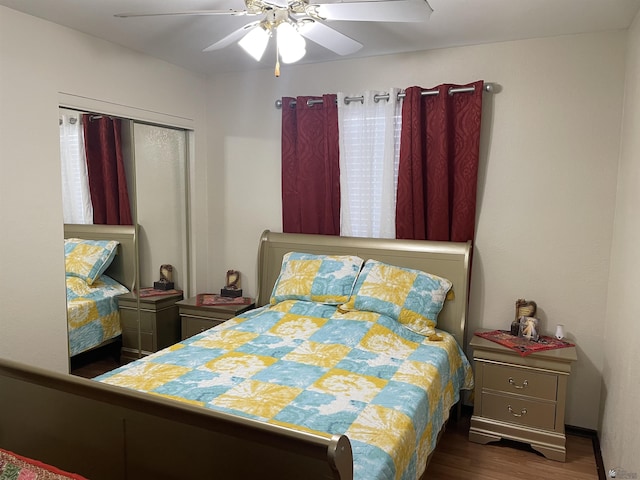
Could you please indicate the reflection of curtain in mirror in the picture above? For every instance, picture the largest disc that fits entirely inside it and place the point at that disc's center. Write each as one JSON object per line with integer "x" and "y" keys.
{"x": 106, "y": 172}
{"x": 76, "y": 200}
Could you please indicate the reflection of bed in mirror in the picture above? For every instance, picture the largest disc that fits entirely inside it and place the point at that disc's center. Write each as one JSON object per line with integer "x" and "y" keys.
{"x": 105, "y": 431}
{"x": 92, "y": 307}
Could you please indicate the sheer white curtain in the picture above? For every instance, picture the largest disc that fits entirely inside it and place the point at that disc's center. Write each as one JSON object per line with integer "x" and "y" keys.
{"x": 369, "y": 156}
{"x": 76, "y": 199}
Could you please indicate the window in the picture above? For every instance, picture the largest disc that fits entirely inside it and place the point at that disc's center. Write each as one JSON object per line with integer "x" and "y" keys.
{"x": 369, "y": 156}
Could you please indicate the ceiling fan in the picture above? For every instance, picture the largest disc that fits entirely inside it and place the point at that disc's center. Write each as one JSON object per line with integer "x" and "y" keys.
{"x": 294, "y": 20}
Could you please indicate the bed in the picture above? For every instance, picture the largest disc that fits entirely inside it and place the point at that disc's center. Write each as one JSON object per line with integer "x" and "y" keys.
{"x": 92, "y": 288}
{"x": 138, "y": 435}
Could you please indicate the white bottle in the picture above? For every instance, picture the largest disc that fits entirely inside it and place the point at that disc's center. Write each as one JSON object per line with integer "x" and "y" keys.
{"x": 560, "y": 331}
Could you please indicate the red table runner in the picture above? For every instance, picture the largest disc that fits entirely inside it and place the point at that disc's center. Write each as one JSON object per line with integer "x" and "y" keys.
{"x": 212, "y": 299}
{"x": 13, "y": 466}
{"x": 521, "y": 345}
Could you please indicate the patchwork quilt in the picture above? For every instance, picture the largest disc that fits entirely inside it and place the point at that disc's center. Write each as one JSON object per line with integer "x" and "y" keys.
{"x": 314, "y": 367}
{"x": 92, "y": 312}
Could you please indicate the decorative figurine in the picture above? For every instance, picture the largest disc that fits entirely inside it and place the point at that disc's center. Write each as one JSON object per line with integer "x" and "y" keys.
{"x": 232, "y": 285}
{"x": 166, "y": 278}
{"x": 524, "y": 308}
{"x": 529, "y": 328}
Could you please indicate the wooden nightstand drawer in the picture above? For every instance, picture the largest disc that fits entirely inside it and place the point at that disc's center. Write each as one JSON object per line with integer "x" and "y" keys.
{"x": 520, "y": 381}
{"x": 192, "y": 326}
{"x": 129, "y": 319}
{"x": 148, "y": 318}
{"x": 159, "y": 323}
{"x": 519, "y": 410}
{"x": 197, "y": 318}
{"x": 130, "y": 340}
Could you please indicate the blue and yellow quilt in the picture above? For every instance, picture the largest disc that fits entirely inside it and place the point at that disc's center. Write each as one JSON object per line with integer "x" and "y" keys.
{"x": 314, "y": 367}
{"x": 92, "y": 312}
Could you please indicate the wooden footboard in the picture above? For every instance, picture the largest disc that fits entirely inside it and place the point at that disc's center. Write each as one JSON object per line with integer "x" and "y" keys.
{"x": 106, "y": 432}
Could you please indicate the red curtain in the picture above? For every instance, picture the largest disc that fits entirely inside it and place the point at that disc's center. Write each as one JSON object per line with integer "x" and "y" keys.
{"x": 105, "y": 169}
{"x": 310, "y": 166}
{"x": 438, "y": 173}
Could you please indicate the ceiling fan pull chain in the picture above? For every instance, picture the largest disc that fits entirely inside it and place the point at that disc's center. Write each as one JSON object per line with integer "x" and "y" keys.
{"x": 277, "y": 72}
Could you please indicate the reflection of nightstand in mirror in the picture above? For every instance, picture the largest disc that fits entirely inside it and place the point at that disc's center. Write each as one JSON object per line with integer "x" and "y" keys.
{"x": 521, "y": 398}
{"x": 198, "y": 318}
{"x": 159, "y": 323}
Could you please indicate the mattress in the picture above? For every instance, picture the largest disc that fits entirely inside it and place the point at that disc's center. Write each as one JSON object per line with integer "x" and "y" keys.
{"x": 315, "y": 368}
{"x": 92, "y": 312}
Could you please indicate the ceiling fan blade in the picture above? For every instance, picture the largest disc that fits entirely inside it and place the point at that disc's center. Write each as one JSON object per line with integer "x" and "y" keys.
{"x": 329, "y": 38}
{"x": 187, "y": 12}
{"x": 376, "y": 11}
{"x": 232, "y": 37}
{"x": 276, "y": 3}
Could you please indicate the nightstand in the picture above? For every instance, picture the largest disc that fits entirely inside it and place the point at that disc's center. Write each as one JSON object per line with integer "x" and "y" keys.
{"x": 198, "y": 318}
{"x": 159, "y": 323}
{"x": 521, "y": 398}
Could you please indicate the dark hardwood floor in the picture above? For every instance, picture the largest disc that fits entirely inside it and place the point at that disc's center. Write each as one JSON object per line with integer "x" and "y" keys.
{"x": 96, "y": 362}
{"x": 456, "y": 458}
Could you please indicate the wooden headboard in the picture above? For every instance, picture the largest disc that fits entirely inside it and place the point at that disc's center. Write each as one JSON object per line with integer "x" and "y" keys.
{"x": 123, "y": 268}
{"x": 445, "y": 259}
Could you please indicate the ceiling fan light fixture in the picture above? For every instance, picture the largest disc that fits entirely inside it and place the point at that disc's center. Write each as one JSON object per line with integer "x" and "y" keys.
{"x": 291, "y": 45}
{"x": 255, "y": 42}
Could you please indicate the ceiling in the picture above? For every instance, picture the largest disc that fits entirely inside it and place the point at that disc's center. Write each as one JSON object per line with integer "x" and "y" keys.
{"x": 180, "y": 40}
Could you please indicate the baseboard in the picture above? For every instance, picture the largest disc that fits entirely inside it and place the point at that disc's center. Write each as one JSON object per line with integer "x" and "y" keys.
{"x": 593, "y": 435}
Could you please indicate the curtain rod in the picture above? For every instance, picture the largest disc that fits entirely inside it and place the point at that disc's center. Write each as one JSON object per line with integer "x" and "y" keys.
{"x": 488, "y": 87}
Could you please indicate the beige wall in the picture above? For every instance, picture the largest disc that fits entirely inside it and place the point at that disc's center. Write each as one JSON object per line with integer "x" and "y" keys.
{"x": 39, "y": 61}
{"x": 547, "y": 181}
{"x": 620, "y": 441}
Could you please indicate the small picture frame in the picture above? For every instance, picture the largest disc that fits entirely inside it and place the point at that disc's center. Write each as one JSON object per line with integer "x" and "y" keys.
{"x": 529, "y": 328}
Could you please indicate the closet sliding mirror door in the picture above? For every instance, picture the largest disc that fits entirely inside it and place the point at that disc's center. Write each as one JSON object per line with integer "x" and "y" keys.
{"x": 160, "y": 160}
{"x": 155, "y": 162}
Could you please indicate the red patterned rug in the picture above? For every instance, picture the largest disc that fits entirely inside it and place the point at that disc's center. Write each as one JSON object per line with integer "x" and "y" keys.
{"x": 523, "y": 346}
{"x": 16, "y": 467}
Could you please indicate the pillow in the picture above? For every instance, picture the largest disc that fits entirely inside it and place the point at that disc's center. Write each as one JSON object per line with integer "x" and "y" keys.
{"x": 88, "y": 259}
{"x": 411, "y": 297}
{"x": 327, "y": 279}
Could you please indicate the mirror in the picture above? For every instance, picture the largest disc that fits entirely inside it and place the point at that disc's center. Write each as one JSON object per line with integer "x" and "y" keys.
{"x": 155, "y": 160}
{"x": 160, "y": 160}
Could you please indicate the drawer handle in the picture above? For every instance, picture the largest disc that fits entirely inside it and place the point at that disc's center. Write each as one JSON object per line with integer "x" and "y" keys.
{"x": 512, "y": 382}
{"x": 522, "y": 413}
